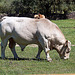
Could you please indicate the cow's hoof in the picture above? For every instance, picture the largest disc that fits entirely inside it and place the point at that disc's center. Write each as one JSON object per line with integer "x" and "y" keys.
{"x": 38, "y": 58}
{"x": 16, "y": 58}
{"x": 49, "y": 60}
{"x": 3, "y": 58}
{"x": 22, "y": 49}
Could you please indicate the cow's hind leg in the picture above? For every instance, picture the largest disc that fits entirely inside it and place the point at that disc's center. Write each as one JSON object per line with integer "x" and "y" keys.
{"x": 3, "y": 47}
{"x": 12, "y": 47}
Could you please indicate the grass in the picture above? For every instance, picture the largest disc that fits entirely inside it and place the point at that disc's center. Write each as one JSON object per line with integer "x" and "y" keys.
{"x": 29, "y": 65}
{"x": 65, "y": 23}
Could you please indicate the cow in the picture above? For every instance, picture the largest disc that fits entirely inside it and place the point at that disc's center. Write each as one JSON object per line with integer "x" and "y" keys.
{"x": 39, "y": 16}
{"x": 25, "y": 31}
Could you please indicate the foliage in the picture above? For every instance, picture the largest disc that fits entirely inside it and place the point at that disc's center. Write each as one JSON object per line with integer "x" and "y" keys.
{"x": 5, "y": 6}
{"x": 27, "y": 7}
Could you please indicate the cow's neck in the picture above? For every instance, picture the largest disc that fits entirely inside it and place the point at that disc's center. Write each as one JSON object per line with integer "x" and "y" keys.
{"x": 59, "y": 49}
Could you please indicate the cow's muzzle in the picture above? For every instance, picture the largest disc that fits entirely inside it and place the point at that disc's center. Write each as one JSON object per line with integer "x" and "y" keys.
{"x": 65, "y": 57}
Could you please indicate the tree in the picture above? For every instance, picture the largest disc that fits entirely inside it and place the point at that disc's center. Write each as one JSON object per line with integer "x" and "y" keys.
{"x": 31, "y": 7}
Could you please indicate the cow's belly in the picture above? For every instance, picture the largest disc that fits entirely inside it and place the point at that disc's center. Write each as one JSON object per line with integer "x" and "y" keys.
{"x": 24, "y": 39}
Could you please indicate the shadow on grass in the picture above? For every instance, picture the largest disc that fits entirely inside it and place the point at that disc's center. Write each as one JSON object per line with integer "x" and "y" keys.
{"x": 41, "y": 59}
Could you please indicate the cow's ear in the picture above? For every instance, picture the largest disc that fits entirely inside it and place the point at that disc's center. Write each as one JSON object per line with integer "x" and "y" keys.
{"x": 66, "y": 43}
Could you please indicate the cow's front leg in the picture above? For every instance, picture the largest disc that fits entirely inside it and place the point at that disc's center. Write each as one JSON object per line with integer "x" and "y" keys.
{"x": 3, "y": 47}
{"x": 12, "y": 47}
{"x": 47, "y": 49}
{"x": 39, "y": 52}
{"x": 47, "y": 54}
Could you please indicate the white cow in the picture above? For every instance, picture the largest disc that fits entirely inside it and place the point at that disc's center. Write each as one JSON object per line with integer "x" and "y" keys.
{"x": 42, "y": 32}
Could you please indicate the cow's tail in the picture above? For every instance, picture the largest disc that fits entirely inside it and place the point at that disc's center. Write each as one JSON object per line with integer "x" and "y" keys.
{"x": 0, "y": 25}
{"x": 0, "y": 30}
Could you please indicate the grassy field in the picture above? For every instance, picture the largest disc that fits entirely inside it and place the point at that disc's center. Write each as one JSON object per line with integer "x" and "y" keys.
{"x": 29, "y": 65}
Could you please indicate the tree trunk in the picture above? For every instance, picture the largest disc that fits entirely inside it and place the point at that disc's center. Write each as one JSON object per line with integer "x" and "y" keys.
{"x": 65, "y": 13}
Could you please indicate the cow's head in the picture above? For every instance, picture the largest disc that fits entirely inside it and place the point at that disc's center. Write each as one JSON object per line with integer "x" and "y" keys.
{"x": 65, "y": 49}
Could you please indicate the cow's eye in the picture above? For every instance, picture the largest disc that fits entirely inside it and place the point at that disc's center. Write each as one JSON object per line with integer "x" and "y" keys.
{"x": 67, "y": 50}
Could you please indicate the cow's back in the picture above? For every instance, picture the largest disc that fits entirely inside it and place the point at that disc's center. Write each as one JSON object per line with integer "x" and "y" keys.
{"x": 51, "y": 31}
{"x": 20, "y": 29}
{"x": 27, "y": 29}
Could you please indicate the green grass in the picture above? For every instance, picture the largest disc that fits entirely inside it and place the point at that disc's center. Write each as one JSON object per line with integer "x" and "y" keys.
{"x": 29, "y": 65}
{"x": 65, "y": 23}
